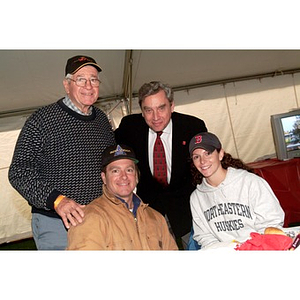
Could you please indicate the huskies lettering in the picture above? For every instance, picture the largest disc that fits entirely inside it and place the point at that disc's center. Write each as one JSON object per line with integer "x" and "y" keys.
{"x": 231, "y": 225}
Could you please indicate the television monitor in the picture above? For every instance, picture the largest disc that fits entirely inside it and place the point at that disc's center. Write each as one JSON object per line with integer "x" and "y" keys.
{"x": 286, "y": 134}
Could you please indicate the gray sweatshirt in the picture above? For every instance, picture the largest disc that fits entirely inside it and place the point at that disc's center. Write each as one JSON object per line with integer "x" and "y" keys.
{"x": 241, "y": 204}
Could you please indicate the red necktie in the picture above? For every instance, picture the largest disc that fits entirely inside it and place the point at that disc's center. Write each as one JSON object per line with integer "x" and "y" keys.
{"x": 159, "y": 161}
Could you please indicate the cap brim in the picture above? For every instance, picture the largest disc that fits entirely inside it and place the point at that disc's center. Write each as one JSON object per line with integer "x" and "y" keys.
{"x": 206, "y": 148}
{"x": 118, "y": 158}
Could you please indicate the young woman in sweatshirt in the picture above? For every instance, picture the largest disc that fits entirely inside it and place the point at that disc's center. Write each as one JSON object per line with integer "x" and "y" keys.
{"x": 230, "y": 201}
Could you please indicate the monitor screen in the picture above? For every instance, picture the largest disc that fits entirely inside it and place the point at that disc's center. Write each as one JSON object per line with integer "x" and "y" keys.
{"x": 286, "y": 134}
{"x": 291, "y": 129}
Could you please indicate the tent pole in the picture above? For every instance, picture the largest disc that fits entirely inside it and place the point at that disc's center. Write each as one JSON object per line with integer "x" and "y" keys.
{"x": 127, "y": 78}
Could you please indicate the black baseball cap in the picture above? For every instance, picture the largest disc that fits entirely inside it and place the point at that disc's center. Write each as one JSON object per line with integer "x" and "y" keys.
{"x": 116, "y": 152}
{"x": 205, "y": 140}
{"x": 75, "y": 63}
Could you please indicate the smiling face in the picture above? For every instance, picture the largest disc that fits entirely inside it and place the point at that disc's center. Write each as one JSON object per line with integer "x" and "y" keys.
{"x": 209, "y": 165}
{"x": 157, "y": 111}
{"x": 120, "y": 178}
{"x": 83, "y": 97}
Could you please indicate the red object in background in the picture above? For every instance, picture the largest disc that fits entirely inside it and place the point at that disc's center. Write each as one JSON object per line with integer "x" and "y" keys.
{"x": 284, "y": 179}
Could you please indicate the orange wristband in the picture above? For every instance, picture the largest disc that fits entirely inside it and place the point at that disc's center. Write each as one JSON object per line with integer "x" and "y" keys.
{"x": 58, "y": 200}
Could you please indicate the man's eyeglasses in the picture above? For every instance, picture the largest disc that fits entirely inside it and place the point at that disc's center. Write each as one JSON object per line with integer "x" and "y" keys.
{"x": 80, "y": 81}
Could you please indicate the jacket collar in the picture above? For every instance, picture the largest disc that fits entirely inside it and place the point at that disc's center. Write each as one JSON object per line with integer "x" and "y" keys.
{"x": 137, "y": 201}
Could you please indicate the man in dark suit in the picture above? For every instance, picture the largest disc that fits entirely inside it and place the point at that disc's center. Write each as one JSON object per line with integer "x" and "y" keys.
{"x": 139, "y": 131}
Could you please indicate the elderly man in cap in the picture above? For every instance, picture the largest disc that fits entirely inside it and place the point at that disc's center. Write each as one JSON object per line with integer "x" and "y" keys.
{"x": 56, "y": 166}
{"x": 119, "y": 220}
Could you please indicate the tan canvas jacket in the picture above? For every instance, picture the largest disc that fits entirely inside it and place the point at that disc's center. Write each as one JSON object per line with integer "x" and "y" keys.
{"x": 109, "y": 225}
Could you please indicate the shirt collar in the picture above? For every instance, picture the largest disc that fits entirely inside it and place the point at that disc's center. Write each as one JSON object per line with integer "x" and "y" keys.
{"x": 68, "y": 102}
{"x": 136, "y": 203}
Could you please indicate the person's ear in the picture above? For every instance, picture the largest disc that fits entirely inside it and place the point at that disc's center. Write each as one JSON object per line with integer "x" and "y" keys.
{"x": 221, "y": 154}
{"x": 172, "y": 106}
{"x": 103, "y": 177}
{"x": 66, "y": 85}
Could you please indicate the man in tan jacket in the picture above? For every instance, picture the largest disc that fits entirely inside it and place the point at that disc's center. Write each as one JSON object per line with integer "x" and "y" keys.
{"x": 119, "y": 220}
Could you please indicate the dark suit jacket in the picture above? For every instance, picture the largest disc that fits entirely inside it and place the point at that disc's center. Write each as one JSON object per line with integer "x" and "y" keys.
{"x": 175, "y": 199}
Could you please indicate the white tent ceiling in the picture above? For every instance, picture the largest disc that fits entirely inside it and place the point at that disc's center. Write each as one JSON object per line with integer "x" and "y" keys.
{"x": 32, "y": 78}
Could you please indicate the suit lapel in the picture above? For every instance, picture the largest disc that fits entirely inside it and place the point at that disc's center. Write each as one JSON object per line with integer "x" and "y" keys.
{"x": 179, "y": 146}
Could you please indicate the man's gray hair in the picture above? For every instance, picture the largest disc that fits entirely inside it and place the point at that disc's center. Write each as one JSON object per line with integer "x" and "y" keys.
{"x": 70, "y": 76}
{"x": 153, "y": 88}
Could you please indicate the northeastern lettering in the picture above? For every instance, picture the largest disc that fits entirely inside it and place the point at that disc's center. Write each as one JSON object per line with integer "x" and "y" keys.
{"x": 228, "y": 209}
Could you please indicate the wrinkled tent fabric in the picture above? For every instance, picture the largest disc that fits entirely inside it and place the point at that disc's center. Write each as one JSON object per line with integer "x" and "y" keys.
{"x": 15, "y": 215}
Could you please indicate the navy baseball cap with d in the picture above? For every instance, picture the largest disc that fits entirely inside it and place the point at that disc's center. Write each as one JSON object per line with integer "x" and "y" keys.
{"x": 205, "y": 140}
{"x": 75, "y": 63}
{"x": 116, "y": 152}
